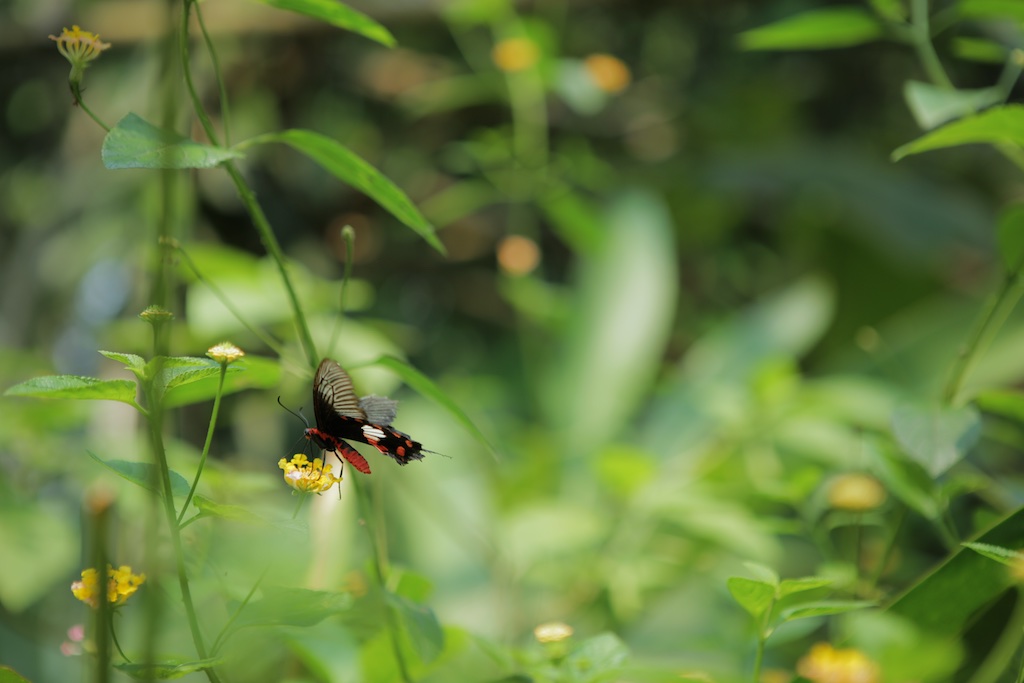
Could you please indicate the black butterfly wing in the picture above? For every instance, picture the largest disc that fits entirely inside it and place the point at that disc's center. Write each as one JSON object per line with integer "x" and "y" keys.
{"x": 334, "y": 398}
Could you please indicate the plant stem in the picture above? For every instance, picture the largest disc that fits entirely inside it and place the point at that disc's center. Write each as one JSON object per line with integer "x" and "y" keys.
{"x": 921, "y": 35}
{"x": 248, "y": 197}
{"x": 993, "y": 315}
{"x": 76, "y": 92}
{"x": 379, "y": 560}
{"x": 98, "y": 506}
{"x": 167, "y": 497}
{"x": 225, "y": 114}
{"x": 206, "y": 446}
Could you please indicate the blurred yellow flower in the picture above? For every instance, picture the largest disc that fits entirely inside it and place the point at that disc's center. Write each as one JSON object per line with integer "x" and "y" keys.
{"x": 79, "y": 47}
{"x": 305, "y": 476}
{"x": 856, "y": 493}
{"x": 225, "y": 353}
{"x": 515, "y": 54}
{"x": 121, "y": 585}
{"x": 609, "y": 73}
{"x": 825, "y": 664}
{"x": 552, "y": 632}
{"x": 518, "y": 255}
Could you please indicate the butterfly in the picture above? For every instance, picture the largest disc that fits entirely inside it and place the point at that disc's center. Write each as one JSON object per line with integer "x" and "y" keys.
{"x": 341, "y": 415}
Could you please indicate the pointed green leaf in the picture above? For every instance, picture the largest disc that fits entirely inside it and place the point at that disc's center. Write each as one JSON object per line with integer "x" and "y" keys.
{"x": 935, "y": 436}
{"x": 1004, "y": 402}
{"x": 420, "y": 625}
{"x": 252, "y": 372}
{"x": 990, "y": 9}
{"x": 817, "y": 29}
{"x": 337, "y": 14}
{"x": 948, "y": 598}
{"x": 166, "y": 670}
{"x": 348, "y": 167}
{"x": 979, "y": 50}
{"x": 8, "y": 675}
{"x": 1000, "y": 554}
{"x": 933, "y": 105}
{"x": 144, "y": 474}
{"x": 823, "y": 608}
{"x": 809, "y": 583}
{"x": 128, "y": 359}
{"x": 76, "y": 387}
{"x": 754, "y": 596}
{"x": 135, "y": 143}
{"x": 763, "y": 573}
{"x": 997, "y": 126}
{"x": 424, "y": 386}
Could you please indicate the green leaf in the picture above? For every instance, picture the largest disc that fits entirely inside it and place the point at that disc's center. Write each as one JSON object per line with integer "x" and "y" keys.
{"x": 1004, "y": 402}
{"x": 420, "y": 625}
{"x": 252, "y": 372}
{"x": 979, "y": 50}
{"x": 933, "y": 105}
{"x": 763, "y": 573}
{"x": 808, "y": 583}
{"x": 1002, "y": 125}
{"x": 237, "y": 513}
{"x": 908, "y": 481}
{"x": 595, "y": 656}
{"x": 817, "y": 29}
{"x": 947, "y": 599}
{"x": 166, "y": 670}
{"x": 129, "y": 359}
{"x": 169, "y": 372}
{"x": 293, "y": 607}
{"x": 9, "y": 675}
{"x": 135, "y": 143}
{"x": 754, "y": 596}
{"x": 936, "y": 437}
{"x": 337, "y": 14}
{"x": 991, "y": 9}
{"x": 892, "y": 10}
{"x": 1010, "y": 237}
{"x": 1002, "y": 555}
{"x": 348, "y": 167}
{"x": 424, "y": 386}
{"x": 823, "y": 608}
{"x": 144, "y": 474}
{"x": 76, "y": 387}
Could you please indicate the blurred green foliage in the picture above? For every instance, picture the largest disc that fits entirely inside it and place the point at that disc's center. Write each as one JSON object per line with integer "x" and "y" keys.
{"x": 713, "y": 324}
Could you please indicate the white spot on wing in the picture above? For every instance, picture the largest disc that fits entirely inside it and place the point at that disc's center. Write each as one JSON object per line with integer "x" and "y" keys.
{"x": 373, "y": 433}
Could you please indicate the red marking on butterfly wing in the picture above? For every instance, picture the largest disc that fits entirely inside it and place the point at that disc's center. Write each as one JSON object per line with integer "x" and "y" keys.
{"x": 353, "y": 456}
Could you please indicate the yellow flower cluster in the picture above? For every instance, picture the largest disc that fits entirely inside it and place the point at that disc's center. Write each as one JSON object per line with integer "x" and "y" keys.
{"x": 515, "y": 54}
{"x": 307, "y": 477}
{"x": 79, "y": 47}
{"x": 552, "y": 632}
{"x": 825, "y": 664}
{"x": 608, "y": 72}
{"x": 856, "y": 492}
{"x": 121, "y": 585}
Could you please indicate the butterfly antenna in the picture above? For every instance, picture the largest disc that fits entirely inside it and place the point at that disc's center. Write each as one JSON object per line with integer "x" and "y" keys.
{"x": 298, "y": 415}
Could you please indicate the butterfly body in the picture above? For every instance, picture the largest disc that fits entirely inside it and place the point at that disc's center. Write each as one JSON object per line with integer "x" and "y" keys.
{"x": 341, "y": 415}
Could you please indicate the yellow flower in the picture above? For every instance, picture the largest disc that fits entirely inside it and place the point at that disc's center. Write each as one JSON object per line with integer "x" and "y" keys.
{"x": 609, "y": 73}
{"x": 825, "y": 664}
{"x": 79, "y": 47}
{"x": 856, "y": 493}
{"x": 307, "y": 477}
{"x": 225, "y": 353}
{"x": 518, "y": 255}
{"x": 515, "y": 54}
{"x": 552, "y": 632}
{"x": 121, "y": 585}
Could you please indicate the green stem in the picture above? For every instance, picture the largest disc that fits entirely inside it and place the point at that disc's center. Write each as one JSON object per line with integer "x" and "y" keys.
{"x": 348, "y": 235}
{"x": 209, "y": 440}
{"x": 225, "y": 301}
{"x": 99, "y": 516}
{"x": 248, "y": 197}
{"x": 994, "y": 314}
{"x": 225, "y": 114}
{"x": 113, "y": 637}
{"x": 762, "y": 639}
{"x": 921, "y": 35}
{"x": 167, "y": 497}
{"x": 76, "y": 92}
{"x": 379, "y": 561}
